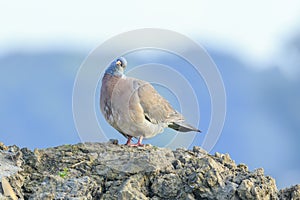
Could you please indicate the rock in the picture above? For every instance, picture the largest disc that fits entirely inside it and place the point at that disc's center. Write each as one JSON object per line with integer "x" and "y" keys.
{"x": 132, "y": 188}
{"x": 7, "y": 166}
{"x": 113, "y": 171}
{"x": 292, "y": 193}
{"x": 3, "y": 147}
{"x": 7, "y": 189}
{"x": 167, "y": 186}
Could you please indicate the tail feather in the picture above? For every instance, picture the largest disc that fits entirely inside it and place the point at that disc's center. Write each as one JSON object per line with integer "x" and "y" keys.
{"x": 183, "y": 127}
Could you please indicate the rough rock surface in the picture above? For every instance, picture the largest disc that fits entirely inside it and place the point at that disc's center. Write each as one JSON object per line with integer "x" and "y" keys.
{"x": 112, "y": 171}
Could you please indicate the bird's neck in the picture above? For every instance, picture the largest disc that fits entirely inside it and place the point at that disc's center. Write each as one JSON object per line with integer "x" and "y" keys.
{"x": 114, "y": 71}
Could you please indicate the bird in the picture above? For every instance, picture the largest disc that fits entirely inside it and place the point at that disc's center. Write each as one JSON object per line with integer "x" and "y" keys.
{"x": 134, "y": 108}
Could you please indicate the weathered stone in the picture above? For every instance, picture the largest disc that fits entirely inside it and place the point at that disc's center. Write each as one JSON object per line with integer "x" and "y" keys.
{"x": 112, "y": 171}
{"x": 292, "y": 193}
{"x": 167, "y": 186}
{"x": 132, "y": 188}
{"x": 7, "y": 166}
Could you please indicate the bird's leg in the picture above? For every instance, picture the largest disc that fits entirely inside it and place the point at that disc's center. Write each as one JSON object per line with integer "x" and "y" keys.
{"x": 138, "y": 144}
{"x": 129, "y": 141}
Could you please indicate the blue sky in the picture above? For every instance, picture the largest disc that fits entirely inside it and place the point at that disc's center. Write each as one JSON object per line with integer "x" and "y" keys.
{"x": 253, "y": 44}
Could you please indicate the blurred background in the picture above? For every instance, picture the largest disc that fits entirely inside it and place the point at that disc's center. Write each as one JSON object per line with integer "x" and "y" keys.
{"x": 255, "y": 44}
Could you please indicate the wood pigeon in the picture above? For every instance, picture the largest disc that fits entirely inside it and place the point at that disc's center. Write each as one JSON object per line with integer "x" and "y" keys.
{"x": 134, "y": 107}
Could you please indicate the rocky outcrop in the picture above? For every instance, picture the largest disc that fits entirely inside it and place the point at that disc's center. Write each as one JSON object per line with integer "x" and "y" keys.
{"x": 112, "y": 171}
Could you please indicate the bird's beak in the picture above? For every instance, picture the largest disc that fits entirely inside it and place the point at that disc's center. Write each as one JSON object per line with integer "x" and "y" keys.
{"x": 118, "y": 62}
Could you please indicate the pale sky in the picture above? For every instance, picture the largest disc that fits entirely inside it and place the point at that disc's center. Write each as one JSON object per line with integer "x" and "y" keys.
{"x": 255, "y": 29}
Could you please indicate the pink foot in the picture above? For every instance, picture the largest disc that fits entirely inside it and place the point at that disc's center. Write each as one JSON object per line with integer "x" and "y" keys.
{"x": 138, "y": 144}
{"x": 135, "y": 145}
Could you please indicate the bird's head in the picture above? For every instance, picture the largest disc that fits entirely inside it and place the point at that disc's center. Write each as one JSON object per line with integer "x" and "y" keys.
{"x": 117, "y": 67}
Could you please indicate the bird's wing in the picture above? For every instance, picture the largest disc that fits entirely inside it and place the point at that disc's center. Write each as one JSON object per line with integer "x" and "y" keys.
{"x": 156, "y": 109}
